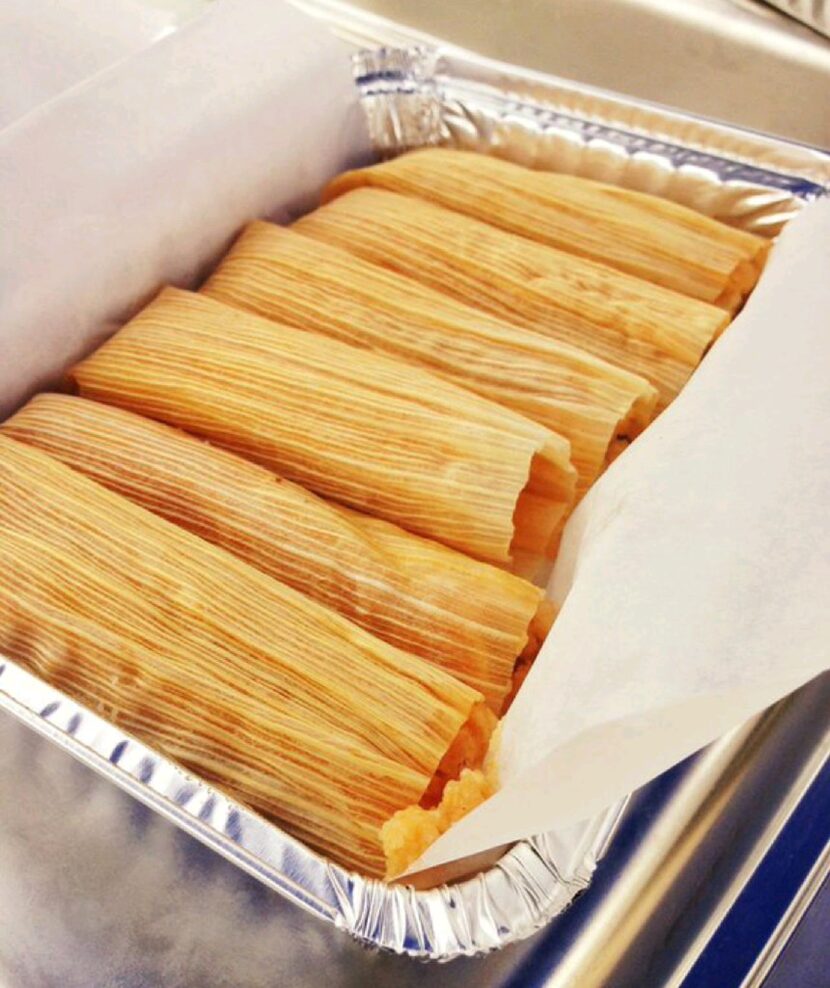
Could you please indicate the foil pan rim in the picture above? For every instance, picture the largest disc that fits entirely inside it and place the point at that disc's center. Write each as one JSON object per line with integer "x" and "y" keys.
{"x": 370, "y": 32}
{"x": 420, "y": 96}
{"x": 467, "y": 918}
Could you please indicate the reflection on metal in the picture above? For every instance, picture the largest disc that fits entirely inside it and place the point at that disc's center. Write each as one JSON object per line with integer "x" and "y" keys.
{"x": 703, "y": 848}
{"x": 740, "y": 61}
{"x": 789, "y": 921}
{"x": 817, "y": 759}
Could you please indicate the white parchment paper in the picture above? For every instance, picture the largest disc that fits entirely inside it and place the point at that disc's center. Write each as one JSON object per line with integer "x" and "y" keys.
{"x": 142, "y": 174}
{"x": 694, "y": 578}
{"x": 46, "y": 46}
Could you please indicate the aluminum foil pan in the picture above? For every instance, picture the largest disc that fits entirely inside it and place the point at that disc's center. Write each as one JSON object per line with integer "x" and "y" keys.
{"x": 415, "y": 97}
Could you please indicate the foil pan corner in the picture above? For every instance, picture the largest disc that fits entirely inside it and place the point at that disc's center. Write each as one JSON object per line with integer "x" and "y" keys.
{"x": 399, "y": 97}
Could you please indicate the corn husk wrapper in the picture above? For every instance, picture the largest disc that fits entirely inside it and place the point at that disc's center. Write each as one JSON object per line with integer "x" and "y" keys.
{"x": 285, "y": 704}
{"x": 302, "y": 282}
{"x": 471, "y": 618}
{"x": 629, "y": 322}
{"x": 662, "y": 242}
{"x": 375, "y": 433}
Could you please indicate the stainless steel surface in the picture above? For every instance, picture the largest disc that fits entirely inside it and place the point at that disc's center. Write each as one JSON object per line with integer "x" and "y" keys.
{"x": 777, "y": 944}
{"x": 739, "y": 61}
{"x": 804, "y": 958}
{"x": 814, "y": 755}
{"x": 653, "y": 921}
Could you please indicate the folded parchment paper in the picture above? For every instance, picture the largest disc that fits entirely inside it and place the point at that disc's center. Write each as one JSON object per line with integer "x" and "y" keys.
{"x": 142, "y": 174}
{"x": 695, "y": 576}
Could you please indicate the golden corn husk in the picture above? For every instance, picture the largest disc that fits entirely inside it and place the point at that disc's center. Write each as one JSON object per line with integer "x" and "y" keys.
{"x": 473, "y": 619}
{"x": 662, "y": 242}
{"x": 358, "y": 427}
{"x": 283, "y": 703}
{"x": 302, "y": 282}
{"x": 648, "y": 330}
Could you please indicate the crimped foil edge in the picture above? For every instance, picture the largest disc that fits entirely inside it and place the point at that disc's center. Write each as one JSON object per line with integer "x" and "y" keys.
{"x": 421, "y": 96}
{"x": 509, "y": 902}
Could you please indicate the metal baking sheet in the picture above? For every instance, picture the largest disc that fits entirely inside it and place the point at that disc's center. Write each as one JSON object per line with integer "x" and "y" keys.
{"x": 416, "y": 97}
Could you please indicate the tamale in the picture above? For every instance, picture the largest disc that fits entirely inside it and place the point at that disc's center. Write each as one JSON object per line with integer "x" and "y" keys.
{"x": 474, "y": 619}
{"x": 662, "y": 242}
{"x": 651, "y": 331}
{"x": 306, "y": 283}
{"x": 410, "y": 832}
{"x": 359, "y": 427}
{"x": 284, "y": 704}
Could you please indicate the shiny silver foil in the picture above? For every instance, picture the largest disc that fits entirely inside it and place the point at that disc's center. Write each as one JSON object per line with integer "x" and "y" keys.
{"x": 412, "y": 98}
{"x": 424, "y": 96}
